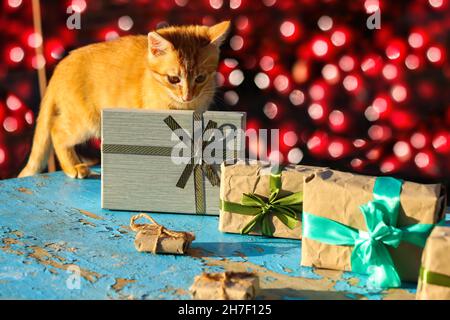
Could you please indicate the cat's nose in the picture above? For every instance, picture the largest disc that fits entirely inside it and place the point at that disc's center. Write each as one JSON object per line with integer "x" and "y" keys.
{"x": 187, "y": 97}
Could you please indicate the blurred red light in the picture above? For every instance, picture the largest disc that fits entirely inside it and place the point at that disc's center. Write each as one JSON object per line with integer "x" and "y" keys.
{"x": 318, "y": 143}
{"x": 399, "y": 93}
{"x": 317, "y": 91}
{"x": 396, "y": 49}
{"x": 290, "y": 30}
{"x": 347, "y": 63}
{"x": 389, "y": 165}
{"x": 435, "y": 54}
{"x": 390, "y": 71}
{"x": 403, "y": 119}
{"x": 330, "y": 73}
{"x": 352, "y": 83}
{"x": 371, "y": 64}
{"x": 340, "y": 37}
{"x": 316, "y": 111}
{"x": 379, "y": 133}
{"x": 419, "y": 140}
{"x": 338, "y": 121}
{"x": 416, "y": 39}
{"x": 320, "y": 47}
{"x": 412, "y": 62}
{"x": 402, "y": 150}
{"x": 441, "y": 142}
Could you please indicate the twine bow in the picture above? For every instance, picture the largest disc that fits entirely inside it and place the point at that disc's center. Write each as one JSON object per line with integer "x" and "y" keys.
{"x": 284, "y": 208}
{"x": 160, "y": 229}
{"x": 370, "y": 254}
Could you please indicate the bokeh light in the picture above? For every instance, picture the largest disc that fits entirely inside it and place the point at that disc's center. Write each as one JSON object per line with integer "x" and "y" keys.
{"x": 372, "y": 101}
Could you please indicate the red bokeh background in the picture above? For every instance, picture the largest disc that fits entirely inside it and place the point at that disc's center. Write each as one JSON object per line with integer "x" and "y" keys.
{"x": 343, "y": 95}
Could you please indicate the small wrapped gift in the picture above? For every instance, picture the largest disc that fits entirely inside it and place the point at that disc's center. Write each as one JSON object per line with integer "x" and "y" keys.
{"x": 167, "y": 161}
{"x": 225, "y": 286}
{"x": 371, "y": 225}
{"x": 434, "y": 279}
{"x": 155, "y": 238}
{"x": 260, "y": 199}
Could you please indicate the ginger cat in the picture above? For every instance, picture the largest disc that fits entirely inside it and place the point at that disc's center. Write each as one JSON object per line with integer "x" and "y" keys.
{"x": 171, "y": 68}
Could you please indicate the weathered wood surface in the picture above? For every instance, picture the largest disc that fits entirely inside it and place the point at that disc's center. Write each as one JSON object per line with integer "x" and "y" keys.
{"x": 52, "y": 226}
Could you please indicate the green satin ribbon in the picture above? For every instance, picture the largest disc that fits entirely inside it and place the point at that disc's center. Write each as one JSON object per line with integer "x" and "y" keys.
{"x": 434, "y": 278}
{"x": 284, "y": 208}
{"x": 370, "y": 254}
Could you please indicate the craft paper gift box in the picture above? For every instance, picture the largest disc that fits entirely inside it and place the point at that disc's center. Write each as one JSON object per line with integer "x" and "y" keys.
{"x": 256, "y": 200}
{"x": 167, "y": 161}
{"x": 225, "y": 286}
{"x": 375, "y": 226}
{"x": 155, "y": 238}
{"x": 434, "y": 279}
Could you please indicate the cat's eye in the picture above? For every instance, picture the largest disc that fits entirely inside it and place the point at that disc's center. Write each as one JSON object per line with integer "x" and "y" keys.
{"x": 201, "y": 78}
{"x": 173, "y": 79}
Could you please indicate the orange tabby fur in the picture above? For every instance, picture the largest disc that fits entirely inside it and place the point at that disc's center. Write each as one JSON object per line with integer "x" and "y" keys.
{"x": 128, "y": 72}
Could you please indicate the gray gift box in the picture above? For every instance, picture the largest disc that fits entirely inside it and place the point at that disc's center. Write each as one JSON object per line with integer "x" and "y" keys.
{"x": 167, "y": 161}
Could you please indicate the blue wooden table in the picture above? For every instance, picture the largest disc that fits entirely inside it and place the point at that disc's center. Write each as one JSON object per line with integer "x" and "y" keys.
{"x": 57, "y": 243}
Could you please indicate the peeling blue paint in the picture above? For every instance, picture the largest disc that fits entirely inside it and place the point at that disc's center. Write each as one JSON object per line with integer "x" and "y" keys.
{"x": 43, "y": 232}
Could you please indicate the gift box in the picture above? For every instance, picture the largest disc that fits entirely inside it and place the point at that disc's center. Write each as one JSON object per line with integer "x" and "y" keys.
{"x": 225, "y": 286}
{"x": 371, "y": 225}
{"x": 167, "y": 161}
{"x": 434, "y": 278}
{"x": 260, "y": 199}
{"x": 155, "y": 238}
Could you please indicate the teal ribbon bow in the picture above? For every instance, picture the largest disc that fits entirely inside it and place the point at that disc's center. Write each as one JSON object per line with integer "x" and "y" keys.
{"x": 284, "y": 208}
{"x": 370, "y": 254}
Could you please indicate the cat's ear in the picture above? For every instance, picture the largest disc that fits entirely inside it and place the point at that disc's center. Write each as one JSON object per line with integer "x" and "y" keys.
{"x": 218, "y": 33}
{"x": 157, "y": 45}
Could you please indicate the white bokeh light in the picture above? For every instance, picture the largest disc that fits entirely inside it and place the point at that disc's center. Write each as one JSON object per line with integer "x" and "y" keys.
{"x": 262, "y": 80}
{"x": 295, "y": 155}
{"x": 125, "y": 23}
{"x": 315, "y": 111}
{"x": 236, "y": 43}
{"x": 236, "y": 77}
{"x": 297, "y": 97}
{"x": 231, "y": 97}
{"x": 270, "y": 110}
{"x": 325, "y": 23}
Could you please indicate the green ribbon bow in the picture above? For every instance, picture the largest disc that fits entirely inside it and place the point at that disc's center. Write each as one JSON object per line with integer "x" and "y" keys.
{"x": 284, "y": 208}
{"x": 191, "y": 167}
{"x": 370, "y": 254}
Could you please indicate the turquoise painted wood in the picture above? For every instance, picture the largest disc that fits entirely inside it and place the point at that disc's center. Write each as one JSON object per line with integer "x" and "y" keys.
{"x": 57, "y": 243}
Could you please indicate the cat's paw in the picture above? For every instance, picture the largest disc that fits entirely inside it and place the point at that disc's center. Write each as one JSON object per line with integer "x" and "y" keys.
{"x": 79, "y": 171}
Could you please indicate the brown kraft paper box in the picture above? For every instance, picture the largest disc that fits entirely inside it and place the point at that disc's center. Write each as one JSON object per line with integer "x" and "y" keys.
{"x": 436, "y": 258}
{"x": 338, "y": 195}
{"x": 156, "y": 238}
{"x": 253, "y": 177}
{"x": 225, "y": 286}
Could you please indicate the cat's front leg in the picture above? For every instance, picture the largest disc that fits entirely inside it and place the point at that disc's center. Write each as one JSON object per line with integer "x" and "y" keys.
{"x": 64, "y": 145}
